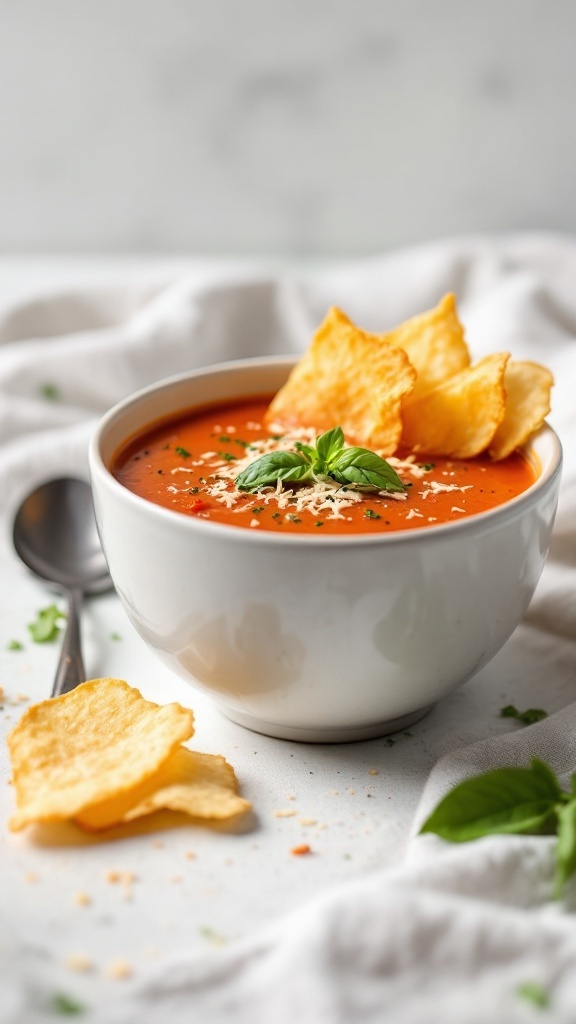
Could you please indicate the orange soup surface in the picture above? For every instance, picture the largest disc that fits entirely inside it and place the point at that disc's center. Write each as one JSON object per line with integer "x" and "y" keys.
{"x": 189, "y": 464}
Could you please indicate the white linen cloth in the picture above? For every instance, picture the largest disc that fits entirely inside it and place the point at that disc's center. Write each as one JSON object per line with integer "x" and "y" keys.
{"x": 453, "y": 931}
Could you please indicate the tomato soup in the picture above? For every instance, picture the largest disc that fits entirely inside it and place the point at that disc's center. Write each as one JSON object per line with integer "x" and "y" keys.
{"x": 189, "y": 464}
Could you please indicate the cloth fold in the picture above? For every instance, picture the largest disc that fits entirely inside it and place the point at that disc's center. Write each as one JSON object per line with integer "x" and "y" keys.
{"x": 454, "y": 932}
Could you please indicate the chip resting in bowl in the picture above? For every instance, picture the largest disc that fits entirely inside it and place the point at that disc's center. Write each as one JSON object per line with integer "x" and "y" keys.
{"x": 102, "y": 755}
{"x": 413, "y": 388}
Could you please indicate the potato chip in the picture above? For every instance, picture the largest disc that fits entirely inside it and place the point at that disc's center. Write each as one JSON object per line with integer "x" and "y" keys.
{"x": 435, "y": 345}
{"x": 460, "y": 417}
{"x": 201, "y": 785}
{"x": 528, "y": 387}
{"x": 87, "y": 746}
{"x": 347, "y": 378}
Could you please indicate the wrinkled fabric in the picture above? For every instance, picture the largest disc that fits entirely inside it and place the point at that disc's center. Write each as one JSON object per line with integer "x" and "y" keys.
{"x": 453, "y": 932}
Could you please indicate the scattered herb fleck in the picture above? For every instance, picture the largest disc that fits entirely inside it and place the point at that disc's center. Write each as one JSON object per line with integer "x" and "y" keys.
{"x": 371, "y": 514}
{"x": 115, "y": 636}
{"x": 319, "y": 523}
{"x": 389, "y": 741}
{"x": 224, "y": 438}
{"x": 227, "y": 457}
{"x": 534, "y": 993}
{"x": 15, "y": 645}
{"x": 243, "y": 444}
{"x": 257, "y": 509}
{"x": 276, "y": 515}
{"x": 528, "y": 717}
{"x": 426, "y": 465}
{"x": 193, "y": 490}
{"x": 50, "y": 392}
{"x": 182, "y": 452}
{"x": 65, "y": 1005}
{"x": 293, "y": 518}
{"x": 46, "y": 627}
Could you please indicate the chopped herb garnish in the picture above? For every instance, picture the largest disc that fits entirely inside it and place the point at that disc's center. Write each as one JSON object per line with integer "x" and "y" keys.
{"x": 50, "y": 392}
{"x": 293, "y": 519}
{"x": 257, "y": 509}
{"x": 328, "y": 459}
{"x": 182, "y": 452}
{"x": 46, "y": 627}
{"x": 193, "y": 490}
{"x": 243, "y": 444}
{"x": 276, "y": 437}
{"x": 426, "y": 465}
{"x": 14, "y": 645}
{"x": 319, "y": 523}
{"x": 115, "y": 636}
{"x": 389, "y": 741}
{"x": 276, "y": 515}
{"x": 65, "y": 1005}
{"x": 227, "y": 457}
{"x": 371, "y": 514}
{"x": 224, "y": 438}
{"x": 528, "y": 717}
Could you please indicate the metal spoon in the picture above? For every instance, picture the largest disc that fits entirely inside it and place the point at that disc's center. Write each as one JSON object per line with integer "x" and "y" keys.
{"x": 55, "y": 536}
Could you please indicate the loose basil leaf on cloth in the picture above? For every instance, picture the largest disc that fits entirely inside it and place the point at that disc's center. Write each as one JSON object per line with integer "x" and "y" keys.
{"x": 566, "y": 846}
{"x": 329, "y": 458}
{"x": 505, "y": 800}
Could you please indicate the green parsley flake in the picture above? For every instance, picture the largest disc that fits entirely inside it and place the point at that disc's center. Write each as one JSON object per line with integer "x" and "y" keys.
{"x": 224, "y": 438}
{"x": 50, "y": 392}
{"x": 257, "y": 509}
{"x": 534, "y": 993}
{"x": 14, "y": 645}
{"x": 115, "y": 636}
{"x": 227, "y": 456}
{"x": 293, "y": 519}
{"x": 182, "y": 452}
{"x": 46, "y": 627}
{"x": 528, "y": 717}
{"x": 370, "y": 514}
{"x": 68, "y": 1007}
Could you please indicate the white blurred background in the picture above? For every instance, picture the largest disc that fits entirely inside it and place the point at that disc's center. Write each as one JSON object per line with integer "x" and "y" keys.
{"x": 284, "y": 128}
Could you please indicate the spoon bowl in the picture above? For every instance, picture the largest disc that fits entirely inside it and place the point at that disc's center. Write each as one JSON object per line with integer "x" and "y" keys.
{"x": 55, "y": 536}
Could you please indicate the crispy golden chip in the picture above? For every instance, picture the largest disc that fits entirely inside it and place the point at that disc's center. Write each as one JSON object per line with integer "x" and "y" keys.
{"x": 88, "y": 745}
{"x": 460, "y": 417}
{"x": 201, "y": 785}
{"x": 435, "y": 345}
{"x": 347, "y": 378}
{"x": 528, "y": 387}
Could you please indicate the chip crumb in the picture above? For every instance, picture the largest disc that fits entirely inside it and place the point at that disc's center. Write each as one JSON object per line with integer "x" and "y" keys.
{"x": 308, "y": 821}
{"x": 284, "y": 813}
{"x": 31, "y": 877}
{"x": 373, "y": 771}
{"x": 290, "y": 796}
{"x": 190, "y": 855}
{"x": 158, "y": 844}
{"x": 78, "y": 962}
{"x": 118, "y": 970}
{"x": 176, "y": 879}
{"x": 82, "y": 899}
{"x": 301, "y": 850}
{"x": 112, "y": 877}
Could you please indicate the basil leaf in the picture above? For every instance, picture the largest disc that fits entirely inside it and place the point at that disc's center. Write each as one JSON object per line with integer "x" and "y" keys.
{"x": 365, "y": 470}
{"x": 264, "y": 472}
{"x": 566, "y": 845}
{"x": 328, "y": 445}
{"x": 506, "y": 800}
{"x": 307, "y": 450}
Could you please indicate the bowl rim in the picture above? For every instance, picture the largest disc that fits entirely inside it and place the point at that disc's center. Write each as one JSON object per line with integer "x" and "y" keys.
{"x": 238, "y": 534}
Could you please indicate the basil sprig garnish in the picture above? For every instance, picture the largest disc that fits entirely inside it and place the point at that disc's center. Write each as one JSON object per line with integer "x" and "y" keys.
{"x": 328, "y": 459}
{"x": 521, "y": 801}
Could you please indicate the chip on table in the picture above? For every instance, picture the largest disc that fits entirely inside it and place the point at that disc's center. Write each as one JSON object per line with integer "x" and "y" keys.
{"x": 102, "y": 755}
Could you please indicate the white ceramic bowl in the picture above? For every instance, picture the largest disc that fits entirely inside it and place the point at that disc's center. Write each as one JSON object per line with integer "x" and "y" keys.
{"x": 322, "y": 639}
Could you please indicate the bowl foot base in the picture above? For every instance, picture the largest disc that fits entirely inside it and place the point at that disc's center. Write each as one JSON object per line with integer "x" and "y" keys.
{"x": 339, "y": 734}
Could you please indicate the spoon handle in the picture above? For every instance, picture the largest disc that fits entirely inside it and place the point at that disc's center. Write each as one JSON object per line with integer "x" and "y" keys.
{"x": 70, "y": 671}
